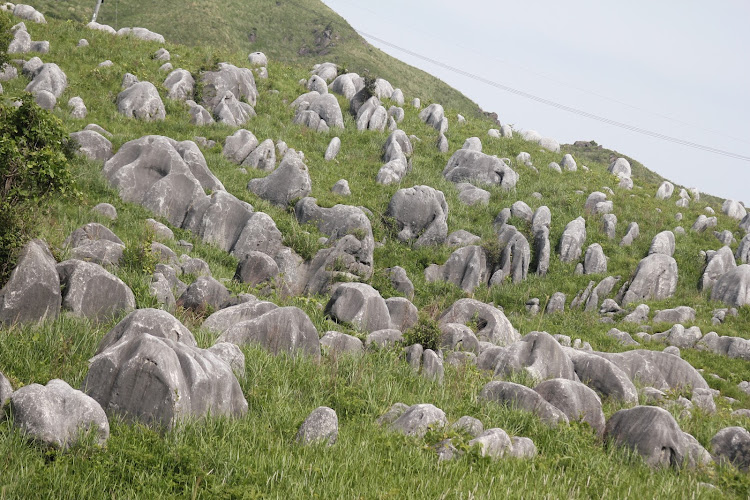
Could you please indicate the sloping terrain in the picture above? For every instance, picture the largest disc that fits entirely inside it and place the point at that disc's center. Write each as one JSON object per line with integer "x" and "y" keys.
{"x": 300, "y": 32}
{"x": 477, "y": 314}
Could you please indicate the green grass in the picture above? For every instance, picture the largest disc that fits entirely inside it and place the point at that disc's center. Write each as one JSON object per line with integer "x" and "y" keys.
{"x": 254, "y": 456}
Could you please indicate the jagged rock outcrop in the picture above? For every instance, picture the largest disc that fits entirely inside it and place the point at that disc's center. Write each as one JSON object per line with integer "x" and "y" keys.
{"x": 515, "y": 256}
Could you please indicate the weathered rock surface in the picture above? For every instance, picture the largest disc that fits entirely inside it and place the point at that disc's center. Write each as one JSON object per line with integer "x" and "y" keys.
{"x": 420, "y": 213}
{"x": 287, "y": 183}
{"x": 341, "y": 343}
{"x": 539, "y": 355}
{"x": 418, "y": 419}
{"x": 32, "y": 292}
{"x": 321, "y": 426}
{"x": 474, "y": 166}
{"x": 718, "y": 264}
{"x": 493, "y": 325}
{"x": 655, "y": 278}
{"x": 732, "y": 444}
{"x": 605, "y": 377}
{"x": 142, "y": 101}
{"x": 359, "y": 304}
{"x": 575, "y": 400}
{"x": 656, "y": 436}
{"x": 656, "y": 369}
{"x": 522, "y": 398}
{"x": 93, "y": 292}
{"x": 56, "y": 415}
{"x": 228, "y": 78}
{"x": 571, "y": 242}
{"x": 733, "y": 288}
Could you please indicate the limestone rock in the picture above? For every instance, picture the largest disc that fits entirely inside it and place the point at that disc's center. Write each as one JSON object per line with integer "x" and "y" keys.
{"x": 92, "y": 292}
{"x": 32, "y": 293}
{"x": 732, "y": 444}
{"x": 474, "y": 166}
{"x": 733, "y": 288}
{"x": 655, "y": 278}
{"x": 56, "y": 415}
{"x": 522, "y": 398}
{"x": 321, "y": 426}
{"x": 493, "y": 325}
{"x": 572, "y": 240}
{"x": 359, "y": 304}
{"x": 180, "y": 85}
{"x": 418, "y": 419}
{"x": 573, "y": 398}
{"x": 420, "y": 214}
{"x": 539, "y": 355}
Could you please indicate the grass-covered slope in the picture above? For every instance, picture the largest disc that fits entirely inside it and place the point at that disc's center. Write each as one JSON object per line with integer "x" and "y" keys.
{"x": 299, "y": 31}
{"x": 254, "y": 456}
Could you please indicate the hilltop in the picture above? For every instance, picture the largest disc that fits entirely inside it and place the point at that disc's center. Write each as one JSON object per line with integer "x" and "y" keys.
{"x": 208, "y": 279}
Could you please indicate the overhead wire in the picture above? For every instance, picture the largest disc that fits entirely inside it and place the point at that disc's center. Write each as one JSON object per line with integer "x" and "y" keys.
{"x": 560, "y": 106}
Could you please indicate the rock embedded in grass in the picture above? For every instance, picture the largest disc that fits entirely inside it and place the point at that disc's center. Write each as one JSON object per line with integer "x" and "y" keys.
{"x": 56, "y": 415}
{"x": 538, "y": 354}
{"x": 32, "y": 293}
{"x": 141, "y": 101}
{"x": 576, "y": 400}
{"x": 321, "y": 426}
{"x": 288, "y": 182}
{"x": 732, "y": 445}
{"x": 655, "y": 278}
{"x": 656, "y": 436}
{"x": 419, "y": 213}
{"x": 572, "y": 240}
{"x": 92, "y": 292}
{"x": 519, "y": 397}
{"x": 418, "y": 419}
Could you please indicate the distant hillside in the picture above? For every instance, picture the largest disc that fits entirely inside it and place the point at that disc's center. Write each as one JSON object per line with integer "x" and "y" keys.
{"x": 298, "y": 32}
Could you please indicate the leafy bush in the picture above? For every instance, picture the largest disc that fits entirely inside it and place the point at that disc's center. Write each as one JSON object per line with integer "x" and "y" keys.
{"x": 34, "y": 155}
{"x": 426, "y": 332}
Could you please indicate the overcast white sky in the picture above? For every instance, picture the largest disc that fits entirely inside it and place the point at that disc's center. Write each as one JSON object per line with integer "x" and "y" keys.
{"x": 677, "y": 67}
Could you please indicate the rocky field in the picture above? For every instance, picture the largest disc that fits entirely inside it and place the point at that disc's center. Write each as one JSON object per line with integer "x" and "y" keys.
{"x": 230, "y": 276}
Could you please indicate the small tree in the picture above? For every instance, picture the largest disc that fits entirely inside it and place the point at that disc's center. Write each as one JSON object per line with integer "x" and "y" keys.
{"x": 35, "y": 152}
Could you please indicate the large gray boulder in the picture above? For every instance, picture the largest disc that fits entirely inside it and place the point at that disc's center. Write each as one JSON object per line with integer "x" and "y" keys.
{"x": 205, "y": 292}
{"x": 223, "y": 320}
{"x": 180, "y": 85}
{"x": 519, "y": 397}
{"x": 282, "y": 330}
{"x": 419, "y": 213}
{"x": 141, "y": 33}
{"x": 155, "y": 322}
{"x": 339, "y": 222}
{"x": 656, "y": 369}
{"x": 256, "y": 268}
{"x": 159, "y": 381}
{"x": 321, "y": 426}
{"x": 56, "y": 415}
{"x": 324, "y": 106}
{"x": 400, "y": 281}
{"x": 142, "y": 101}
{"x": 542, "y": 248}
{"x": 572, "y": 239}
{"x": 92, "y": 292}
{"x": 732, "y": 347}
{"x": 680, "y": 314}
{"x": 433, "y": 115}
{"x": 228, "y": 78}
{"x": 734, "y": 209}
{"x": 493, "y": 326}
{"x": 239, "y": 145}
{"x": 466, "y": 268}
{"x": 32, "y": 293}
{"x": 161, "y": 174}
{"x": 231, "y": 111}
{"x": 620, "y": 166}
{"x": 515, "y": 256}
{"x": 537, "y": 353}
{"x": 603, "y": 376}
{"x": 338, "y": 343}
{"x": 594, "y": 260}
{"x": 48, "y": 77}
{"x": 93, "y": 145}
{"x": 665, "y": 191}
{"x": 21, "y": 42}
{"x": 27, "y": 12}
{"x": 494, "y": 443}
{"x": 655, "y": 278}
{"x": 631, "y": 234}
{"x": 418, "y": 419}
{"x": 733, "y": 288}
{"x": 287, "y": 183}
{"x": 575, "y": 400}
{"x": 262, "y": 157}
{"x": 359, "y": 304}
{"x": 732, "y": 444}
{"x": 656, "y": 436}
{"x": 718, "y": 264}
{"x": 474, "y": 166}
{"x": 745, "y": 224}
{"x": 663, "y": 243}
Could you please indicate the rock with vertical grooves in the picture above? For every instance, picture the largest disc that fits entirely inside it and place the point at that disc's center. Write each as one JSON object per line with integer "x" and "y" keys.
{"x": 631, "y": 234}
{"x": 664, "y": 243}
{"x": 717, "y": 265}
{"x": 572, "y": 240}
{"x": 359, "y": 304}
{"x": 603, "y": 376}
{"x": 655, "y": 278}
{"x": 733, "y": 288}
{"x": 609, "y": 222}
{"x": 473, "y": 166}
{"x": 32, "y": 293}
{"x": 465, "y": 268}
{"x": 594, "y": 261}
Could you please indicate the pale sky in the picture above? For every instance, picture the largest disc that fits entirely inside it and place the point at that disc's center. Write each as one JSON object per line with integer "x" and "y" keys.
{"x": 676, "y": 67}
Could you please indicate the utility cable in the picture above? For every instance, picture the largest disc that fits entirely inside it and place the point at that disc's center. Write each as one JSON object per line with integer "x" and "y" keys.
{"x": 563, "y": 107}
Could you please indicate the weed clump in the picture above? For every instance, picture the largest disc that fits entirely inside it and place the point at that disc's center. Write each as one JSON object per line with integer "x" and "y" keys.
{"x": 426, "y": 332}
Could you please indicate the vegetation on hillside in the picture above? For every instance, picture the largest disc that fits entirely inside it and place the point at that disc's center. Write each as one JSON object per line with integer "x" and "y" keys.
{"x": 254, "y": 456}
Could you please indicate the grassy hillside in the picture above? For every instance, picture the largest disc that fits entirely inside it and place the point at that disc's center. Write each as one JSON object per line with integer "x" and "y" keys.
{"x": 254, "y": 457}
{"x": 302, "y": 32}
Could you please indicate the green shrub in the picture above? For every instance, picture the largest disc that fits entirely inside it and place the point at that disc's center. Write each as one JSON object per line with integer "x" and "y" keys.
{"x": 35, "y": 152}
{"x": 426, "y": 332}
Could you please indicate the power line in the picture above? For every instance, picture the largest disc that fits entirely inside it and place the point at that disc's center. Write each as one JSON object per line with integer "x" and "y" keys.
{"x": 559, "y": 82}
{"x": 563, "y": 107}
